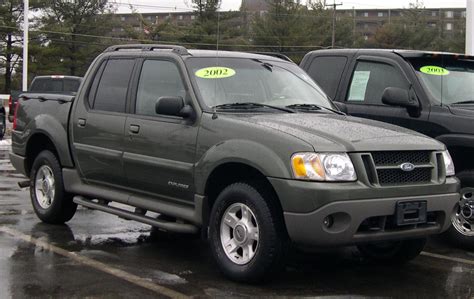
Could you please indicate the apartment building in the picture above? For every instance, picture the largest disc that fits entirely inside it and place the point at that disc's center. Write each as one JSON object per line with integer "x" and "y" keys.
{"x": 366, "y": 21}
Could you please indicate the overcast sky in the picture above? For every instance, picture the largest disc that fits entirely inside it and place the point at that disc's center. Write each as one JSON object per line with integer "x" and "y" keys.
{"x": 183, "y": 5}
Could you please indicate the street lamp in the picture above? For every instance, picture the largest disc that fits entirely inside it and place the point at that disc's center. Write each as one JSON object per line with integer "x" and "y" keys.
{"x": 25, "y": 45}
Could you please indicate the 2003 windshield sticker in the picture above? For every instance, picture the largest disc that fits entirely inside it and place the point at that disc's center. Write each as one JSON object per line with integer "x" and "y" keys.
{"x": 434, "y": 70}
{"x": 215, "y": 72}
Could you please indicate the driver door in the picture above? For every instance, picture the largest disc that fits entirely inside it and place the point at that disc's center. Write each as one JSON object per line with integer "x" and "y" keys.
{"x": 369, "y": 78}
{"x": 159, "y": 150}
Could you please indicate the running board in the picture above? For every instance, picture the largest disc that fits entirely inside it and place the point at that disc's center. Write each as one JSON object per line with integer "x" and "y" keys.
{"x": 165, "y": 225}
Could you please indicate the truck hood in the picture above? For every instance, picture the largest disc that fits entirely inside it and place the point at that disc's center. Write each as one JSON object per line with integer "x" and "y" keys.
{"x": 463, "y": 110}
{"x": 331, "y": 132}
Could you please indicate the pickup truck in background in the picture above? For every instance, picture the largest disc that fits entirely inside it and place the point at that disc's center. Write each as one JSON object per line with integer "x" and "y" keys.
{"x": 432, "y": 93}
{"x": 244, "y": 148}
{"x": 54, "y": 84}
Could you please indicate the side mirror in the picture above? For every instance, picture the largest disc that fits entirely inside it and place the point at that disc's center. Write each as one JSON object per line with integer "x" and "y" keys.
{"x": 395, "y": 96}
{"x": 173, "y": 106}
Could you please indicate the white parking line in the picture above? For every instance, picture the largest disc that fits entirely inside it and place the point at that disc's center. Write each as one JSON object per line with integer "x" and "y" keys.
{"x": 144, "y": 283}
{"x": 448, "y": 258}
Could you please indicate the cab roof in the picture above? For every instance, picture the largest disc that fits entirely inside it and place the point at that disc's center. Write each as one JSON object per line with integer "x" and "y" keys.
{"x": 185, "y": 53}
{"x": 401, "y": 52}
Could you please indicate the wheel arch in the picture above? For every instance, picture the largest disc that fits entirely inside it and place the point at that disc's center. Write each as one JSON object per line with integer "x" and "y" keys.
{"x": 231, "y": 172}
{"x": 37, "y": 143}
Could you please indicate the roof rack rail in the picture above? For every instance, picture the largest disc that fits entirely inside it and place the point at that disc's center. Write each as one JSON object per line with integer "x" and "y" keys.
{"x": 275, "y": 54}
{"x": 148, "y": 47}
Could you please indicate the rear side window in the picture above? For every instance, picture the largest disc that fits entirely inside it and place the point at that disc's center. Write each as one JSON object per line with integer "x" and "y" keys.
{"x": 370, "y": 79}
{"x": 111, "y": 94}
{"x": 327, "y": 72}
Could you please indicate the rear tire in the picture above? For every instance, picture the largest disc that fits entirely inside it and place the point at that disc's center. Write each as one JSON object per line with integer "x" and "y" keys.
{"x": 393, "y": 252}
{"x": 249, "y": 221}
{"x": 461, "y": 231}
{"x": 51, "y": 203}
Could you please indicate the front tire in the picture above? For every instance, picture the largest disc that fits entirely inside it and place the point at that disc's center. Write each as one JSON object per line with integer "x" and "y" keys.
{"x": 393, "y": 252}
{"x": 461, "y": 231}
{"x": 247, "y": 235}
{"x": 51, "y": 203}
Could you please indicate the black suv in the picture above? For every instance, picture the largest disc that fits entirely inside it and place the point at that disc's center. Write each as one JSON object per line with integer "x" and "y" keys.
{"x": 432, "y": 93}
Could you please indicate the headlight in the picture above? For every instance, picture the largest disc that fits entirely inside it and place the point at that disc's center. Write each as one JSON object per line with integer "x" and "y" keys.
{"x": 323, "y": 167}
{"x": 448, "y": 163}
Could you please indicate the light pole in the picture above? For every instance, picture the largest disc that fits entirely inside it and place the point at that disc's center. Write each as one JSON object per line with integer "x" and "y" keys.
{"x": 25, "y": 45}
{"x": 469, "y": 27}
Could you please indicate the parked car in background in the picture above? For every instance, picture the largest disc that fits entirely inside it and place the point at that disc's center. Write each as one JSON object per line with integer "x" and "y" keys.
{"x": 244, "y": 148}
{"x": 55, "y": 84}
{"x": 432, "y": 93}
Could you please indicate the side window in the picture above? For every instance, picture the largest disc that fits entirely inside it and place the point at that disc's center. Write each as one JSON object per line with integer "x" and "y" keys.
{"x": 327, "y": 72}
{"x": 95, "y": 83}
{"x": 370, "y": 79}
{"x": 158, "y": 78}
{"x": 112, "y": 89}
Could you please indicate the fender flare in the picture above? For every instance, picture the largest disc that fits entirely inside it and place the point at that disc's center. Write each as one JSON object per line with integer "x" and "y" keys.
{"x": 246, "y": 152}
{"x": 50, "y": 127}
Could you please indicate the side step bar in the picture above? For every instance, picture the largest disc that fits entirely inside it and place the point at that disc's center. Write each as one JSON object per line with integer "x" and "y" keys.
{"x": 140, "y": 217}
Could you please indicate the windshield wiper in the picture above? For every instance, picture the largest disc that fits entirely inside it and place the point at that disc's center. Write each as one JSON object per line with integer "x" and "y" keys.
{"x": 250, "y": 105}
{"x": 312, "y": 107}
{"x": 463, "y": 102}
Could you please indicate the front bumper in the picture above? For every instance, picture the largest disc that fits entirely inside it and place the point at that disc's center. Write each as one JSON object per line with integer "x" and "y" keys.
{"x": 352, "y": 208}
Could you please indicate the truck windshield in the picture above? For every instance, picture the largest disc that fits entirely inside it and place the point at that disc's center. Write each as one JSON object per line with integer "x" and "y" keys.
{"x": 448, "y": 78}
{"x": 258, "y": 81}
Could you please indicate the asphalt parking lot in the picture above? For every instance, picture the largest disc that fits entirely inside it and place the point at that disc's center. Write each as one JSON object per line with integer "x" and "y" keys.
{"x": 100, "y": 255}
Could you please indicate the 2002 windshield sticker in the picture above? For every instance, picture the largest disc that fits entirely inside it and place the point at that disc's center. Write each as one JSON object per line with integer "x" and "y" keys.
{"x": 215, "y": 72}
{"x": 434, "y": 70}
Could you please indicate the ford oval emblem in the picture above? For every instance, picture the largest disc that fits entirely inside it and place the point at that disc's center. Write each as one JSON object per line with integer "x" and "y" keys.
{"x": 407, "y": 166}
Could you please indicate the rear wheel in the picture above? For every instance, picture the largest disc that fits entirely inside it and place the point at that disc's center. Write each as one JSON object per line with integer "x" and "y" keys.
{"x": 393, "y": 251}
{"x": 247, "y": 235}
{"x": 51, "y": 203}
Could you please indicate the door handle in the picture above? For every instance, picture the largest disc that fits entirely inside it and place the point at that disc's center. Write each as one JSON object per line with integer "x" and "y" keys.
{"x": 81, "y": 122}
{"x": 134, "y": 129}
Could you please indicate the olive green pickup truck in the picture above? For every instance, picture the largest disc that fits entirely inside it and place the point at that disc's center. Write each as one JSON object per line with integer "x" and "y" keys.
{"x": 244, "y": 148}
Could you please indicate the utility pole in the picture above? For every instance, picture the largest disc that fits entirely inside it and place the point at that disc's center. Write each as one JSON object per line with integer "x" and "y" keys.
{"x": 334, "y": 5}
{"x": 25, "y": 45}
{"x": 469, "y": 29}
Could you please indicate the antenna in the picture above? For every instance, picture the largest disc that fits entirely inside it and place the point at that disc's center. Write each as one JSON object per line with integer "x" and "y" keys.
{"x": 218, "y": 35}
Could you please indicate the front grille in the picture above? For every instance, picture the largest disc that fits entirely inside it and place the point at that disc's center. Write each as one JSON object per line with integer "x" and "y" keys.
{"x": 399, "y": 177}
{"x": 384, "y": 168}
{"x": 396, "y": 158}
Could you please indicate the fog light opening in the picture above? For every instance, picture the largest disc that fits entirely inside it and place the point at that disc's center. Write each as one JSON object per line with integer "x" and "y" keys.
{"x": 328, "y": 221}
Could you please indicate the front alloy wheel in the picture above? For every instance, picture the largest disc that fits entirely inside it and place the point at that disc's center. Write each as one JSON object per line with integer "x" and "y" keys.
{"x": 247, "y": 235}
{"x": 463, "y": 219}
{"x": 239, "y": 233}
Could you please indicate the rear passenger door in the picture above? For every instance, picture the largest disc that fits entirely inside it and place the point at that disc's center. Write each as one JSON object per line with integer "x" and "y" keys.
{"x": 98, "y": 124}
{"x": 159, "y": 150}
{"x": 363, "y": 97}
